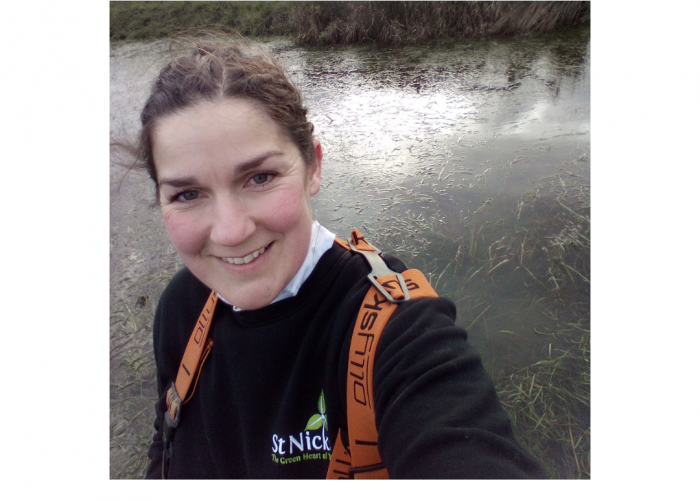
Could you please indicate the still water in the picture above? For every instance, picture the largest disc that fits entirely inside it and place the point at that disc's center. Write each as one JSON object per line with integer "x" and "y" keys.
{"x": 432, "y": 152}
{"x": 468, "y": 161}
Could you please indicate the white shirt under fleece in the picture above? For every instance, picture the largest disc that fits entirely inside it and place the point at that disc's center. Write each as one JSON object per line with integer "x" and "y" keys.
{"x": 321, "y": 241}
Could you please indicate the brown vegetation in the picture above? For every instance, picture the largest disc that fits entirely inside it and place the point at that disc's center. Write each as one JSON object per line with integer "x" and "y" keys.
{"x": 328, "y": 23}
{"x": 333, "y": 23}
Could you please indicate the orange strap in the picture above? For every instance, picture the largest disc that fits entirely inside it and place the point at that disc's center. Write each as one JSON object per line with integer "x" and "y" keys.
{"x": 198, "y": 348}
{"x": 339, "y": 467}
{"x": 375, "y": 311}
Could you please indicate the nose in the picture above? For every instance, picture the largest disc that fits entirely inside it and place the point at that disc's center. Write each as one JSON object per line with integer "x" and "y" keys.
{"x": 232, "y": 222}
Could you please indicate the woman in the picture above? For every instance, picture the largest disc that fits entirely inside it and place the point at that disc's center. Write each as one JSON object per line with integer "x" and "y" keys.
{"x": 226, "y": 140}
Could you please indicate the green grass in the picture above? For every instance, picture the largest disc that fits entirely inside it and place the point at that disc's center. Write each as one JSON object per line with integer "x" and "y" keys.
{"x": 154, "y": 20}
{"x": 549, "y": 407}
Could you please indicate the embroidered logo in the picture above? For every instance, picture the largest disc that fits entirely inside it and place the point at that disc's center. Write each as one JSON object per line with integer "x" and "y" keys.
{"x": 307, "y": 445}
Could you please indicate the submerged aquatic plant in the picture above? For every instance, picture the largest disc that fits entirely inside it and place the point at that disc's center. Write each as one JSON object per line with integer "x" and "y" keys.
{"x": 538, "y": 248}
{"x": 549, "y": 406}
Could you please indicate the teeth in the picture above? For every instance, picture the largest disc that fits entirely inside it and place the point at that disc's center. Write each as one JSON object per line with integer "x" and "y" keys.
{"x": 247, "y": 259}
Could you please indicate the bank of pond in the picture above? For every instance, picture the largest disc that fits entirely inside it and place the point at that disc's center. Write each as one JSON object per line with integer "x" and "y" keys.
{"x": 344, "y": 23}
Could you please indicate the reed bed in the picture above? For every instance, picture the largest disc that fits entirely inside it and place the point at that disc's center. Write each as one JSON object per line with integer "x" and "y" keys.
{"x": 343, "y": 23}
{"x": 399, "y": 23}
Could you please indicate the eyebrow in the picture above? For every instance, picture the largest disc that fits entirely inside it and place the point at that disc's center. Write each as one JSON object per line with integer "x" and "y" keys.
{"x": 241, "y": 168}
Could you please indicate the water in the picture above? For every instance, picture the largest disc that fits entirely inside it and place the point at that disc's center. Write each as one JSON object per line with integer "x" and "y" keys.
{"x": 470, "y": 162}
{"x": 417, "y": 139}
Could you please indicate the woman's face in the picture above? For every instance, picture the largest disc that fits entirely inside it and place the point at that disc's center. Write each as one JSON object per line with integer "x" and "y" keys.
{"x": 235, "y": 195}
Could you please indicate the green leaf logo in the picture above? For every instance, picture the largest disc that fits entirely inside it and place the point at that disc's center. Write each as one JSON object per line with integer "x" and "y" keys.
{"x": 319, "y": 419}
{"x": 322, "y": 404}
{"x": 315, "y": 422}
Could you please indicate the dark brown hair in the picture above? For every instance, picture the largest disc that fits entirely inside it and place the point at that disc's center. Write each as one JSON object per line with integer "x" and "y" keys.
{"x": 217, "y": 71}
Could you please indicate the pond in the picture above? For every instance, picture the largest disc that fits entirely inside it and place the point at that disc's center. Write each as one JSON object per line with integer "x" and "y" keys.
{"x": 469, "y": 161}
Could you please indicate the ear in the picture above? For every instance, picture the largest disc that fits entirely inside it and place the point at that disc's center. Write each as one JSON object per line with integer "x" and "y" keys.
{"x": 315, "y": 169}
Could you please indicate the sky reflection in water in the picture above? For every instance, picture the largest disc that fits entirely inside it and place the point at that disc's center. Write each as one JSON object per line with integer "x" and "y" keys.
{"x": 416, "y": 140}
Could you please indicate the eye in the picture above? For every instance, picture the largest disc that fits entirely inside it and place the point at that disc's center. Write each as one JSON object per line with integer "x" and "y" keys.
{"x": 188, "y": 195}
{"x": 261, "y": 178}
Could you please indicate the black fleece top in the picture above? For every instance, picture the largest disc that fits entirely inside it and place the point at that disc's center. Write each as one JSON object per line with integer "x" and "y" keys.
{"x": 276, "y": 374}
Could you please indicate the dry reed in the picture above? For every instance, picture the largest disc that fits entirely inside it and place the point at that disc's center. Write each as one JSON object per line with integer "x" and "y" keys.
{"x": 335, "y": 23}
{"x": 396, "y": 23}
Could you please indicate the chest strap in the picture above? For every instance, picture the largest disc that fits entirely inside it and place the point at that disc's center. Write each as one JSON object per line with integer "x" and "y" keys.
{"x": 362, "y": 460}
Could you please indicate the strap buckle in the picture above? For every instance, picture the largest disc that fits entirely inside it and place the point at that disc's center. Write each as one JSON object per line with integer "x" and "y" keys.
{"x": 174, "y": 404}
{"x": 381, "y": 270}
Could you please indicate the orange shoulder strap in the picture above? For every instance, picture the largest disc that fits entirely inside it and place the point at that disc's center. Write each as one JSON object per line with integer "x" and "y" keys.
{"x": 362, "y": 461}
{"x": 196, "y": 352}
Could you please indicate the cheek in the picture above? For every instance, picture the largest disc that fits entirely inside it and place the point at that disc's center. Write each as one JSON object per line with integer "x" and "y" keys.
{"x": 185, "y": 232}
{"x": 287, "y": 211}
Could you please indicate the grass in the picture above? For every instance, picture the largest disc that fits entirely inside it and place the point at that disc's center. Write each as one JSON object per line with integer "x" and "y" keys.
{"x": 548, "y": 246}
{"x": 333, "y": 23}
{"x": 154, "y": 20}
{"x": 549, "y": 407}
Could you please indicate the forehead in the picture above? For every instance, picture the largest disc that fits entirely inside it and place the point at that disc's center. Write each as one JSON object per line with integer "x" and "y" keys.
{"x": 221, "y": 117}
{"x": 211, "y": 129}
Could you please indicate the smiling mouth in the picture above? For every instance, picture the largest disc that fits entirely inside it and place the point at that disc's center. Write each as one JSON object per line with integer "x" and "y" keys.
{"x": 248, "y": 258}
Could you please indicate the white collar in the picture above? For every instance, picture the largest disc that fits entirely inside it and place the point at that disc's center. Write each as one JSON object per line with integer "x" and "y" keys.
{"x": 321, "y": 241}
